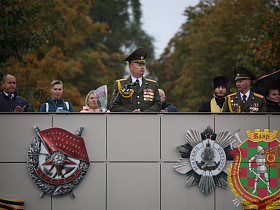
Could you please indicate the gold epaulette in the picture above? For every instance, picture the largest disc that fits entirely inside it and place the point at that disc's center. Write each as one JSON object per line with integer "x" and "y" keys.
{"x": 258, "y": 95}
{"x": 233, "y": 94}
{"x": 121, "y": 79}
{"x": 150, "y": 80}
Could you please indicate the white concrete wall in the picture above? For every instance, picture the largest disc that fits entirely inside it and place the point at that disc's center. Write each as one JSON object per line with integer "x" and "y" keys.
{"x": 131, "y": 155}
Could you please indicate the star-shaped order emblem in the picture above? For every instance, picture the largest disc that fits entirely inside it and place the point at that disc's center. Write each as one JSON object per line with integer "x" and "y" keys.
{"x": 58, "y": 160}
{"x": 205, "y": 158}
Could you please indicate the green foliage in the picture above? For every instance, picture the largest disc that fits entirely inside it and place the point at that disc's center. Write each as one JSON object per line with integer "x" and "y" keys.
{"x": 17, "y": 34}
{"x": 29, "y": 93}
{"x": 83, "y": 43}
{"x": 217, "y": 36}
{"x": 85, "y": 49}
{"x": 262, "y": 39}
{"x": 123, "y": 32}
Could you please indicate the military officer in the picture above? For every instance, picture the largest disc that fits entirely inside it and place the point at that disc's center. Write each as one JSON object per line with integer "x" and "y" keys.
{"x": 244, "y": 100}
{"x": 136, "y": 93}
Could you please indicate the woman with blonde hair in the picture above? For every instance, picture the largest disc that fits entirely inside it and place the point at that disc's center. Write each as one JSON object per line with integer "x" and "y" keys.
{"x": 90, "y": 103}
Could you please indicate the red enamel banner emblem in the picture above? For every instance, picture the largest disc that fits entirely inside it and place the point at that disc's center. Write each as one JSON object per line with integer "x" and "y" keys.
{"x": 60, "y": 139}
{"x": 57, "y": 160}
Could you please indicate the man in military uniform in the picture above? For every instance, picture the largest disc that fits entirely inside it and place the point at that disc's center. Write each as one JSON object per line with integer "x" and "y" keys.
{"x": 244, "y": 100}
{"x": 220, "y": 91}
{"x": 136, "y": 93}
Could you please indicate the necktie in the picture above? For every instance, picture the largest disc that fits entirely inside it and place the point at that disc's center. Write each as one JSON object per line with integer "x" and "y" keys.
{"x": 10, "y": 96}
{"x": 244, "y": 99}
{"x": 137, "y": 86}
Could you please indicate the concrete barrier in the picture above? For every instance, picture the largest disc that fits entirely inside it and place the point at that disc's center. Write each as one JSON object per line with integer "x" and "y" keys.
{"x": 132, "y": 158}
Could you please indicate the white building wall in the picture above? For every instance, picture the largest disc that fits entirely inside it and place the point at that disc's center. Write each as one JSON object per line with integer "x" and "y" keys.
{"x": 131, "y": 155}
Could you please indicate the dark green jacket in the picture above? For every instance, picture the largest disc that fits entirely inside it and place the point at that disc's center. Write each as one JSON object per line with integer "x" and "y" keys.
{"x": 255, "y": 103}
{"x": 147, "y": 99}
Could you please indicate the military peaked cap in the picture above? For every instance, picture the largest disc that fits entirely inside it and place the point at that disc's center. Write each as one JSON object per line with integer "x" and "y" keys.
{"x": 243, "y": 73}
{"x": 138, "y": 56}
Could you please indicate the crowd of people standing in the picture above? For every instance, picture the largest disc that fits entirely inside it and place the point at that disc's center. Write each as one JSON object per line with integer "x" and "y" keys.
{"x": 139, "y": 94}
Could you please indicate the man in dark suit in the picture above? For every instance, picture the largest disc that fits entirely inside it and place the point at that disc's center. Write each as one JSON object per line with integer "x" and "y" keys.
{"x": 136, "y": 93}
{"x": 9, "y": 100}
{"x": 165, "y": 106}
{"x": 244, "y": 100}
{"x": 220, "y": 91}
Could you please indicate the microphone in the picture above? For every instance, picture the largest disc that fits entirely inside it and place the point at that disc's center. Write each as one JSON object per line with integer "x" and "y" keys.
{"x": 130, "y": 84}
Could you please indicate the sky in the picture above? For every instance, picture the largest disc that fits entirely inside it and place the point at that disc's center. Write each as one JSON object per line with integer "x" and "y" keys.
{"x": 162, "y": 19}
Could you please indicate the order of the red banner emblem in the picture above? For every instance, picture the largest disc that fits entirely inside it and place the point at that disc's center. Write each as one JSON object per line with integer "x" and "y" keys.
{"x": 254, "y": 174}
{"x": 57, "y": 157}
{"x": 59, "y": 139}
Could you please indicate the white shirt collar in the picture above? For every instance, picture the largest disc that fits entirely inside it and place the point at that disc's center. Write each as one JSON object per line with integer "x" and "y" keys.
{"x": 134, "y": 80}
{"x": 247, "y": 95}
{"x": 6, "y": 94}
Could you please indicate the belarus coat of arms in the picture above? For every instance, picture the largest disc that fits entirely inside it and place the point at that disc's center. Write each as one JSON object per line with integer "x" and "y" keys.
{"x": 57, "y": 160}
{"x": 254, "y": 176}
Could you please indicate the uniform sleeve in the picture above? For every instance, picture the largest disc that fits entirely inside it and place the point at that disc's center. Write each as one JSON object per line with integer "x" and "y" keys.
{"x": 225, "y": 106}
{"x": 263, "y": 105}
{"x": 156, "y": 107}
{"x": 43, "y": 107}
{"x": 117, "y": 106}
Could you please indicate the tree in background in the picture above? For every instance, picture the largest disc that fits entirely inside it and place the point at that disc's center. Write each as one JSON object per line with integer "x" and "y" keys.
{"x": 54, "y": 60}
{"x": 19, "y": 36}
{"x": 207, "y": 46}
{"x": 262, "y": 39}
{"x": 124, "y": 31}
{"x": 83, "y": 44}
{"x": 77, "y": 52}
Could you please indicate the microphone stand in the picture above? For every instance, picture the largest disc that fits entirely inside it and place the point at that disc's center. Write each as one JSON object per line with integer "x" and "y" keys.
{"x": 116, "y": 98}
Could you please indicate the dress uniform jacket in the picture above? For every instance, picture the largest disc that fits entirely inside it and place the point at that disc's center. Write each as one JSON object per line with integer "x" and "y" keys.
{"x": 147, "y": 99}
{"x": 255, "y": 103}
